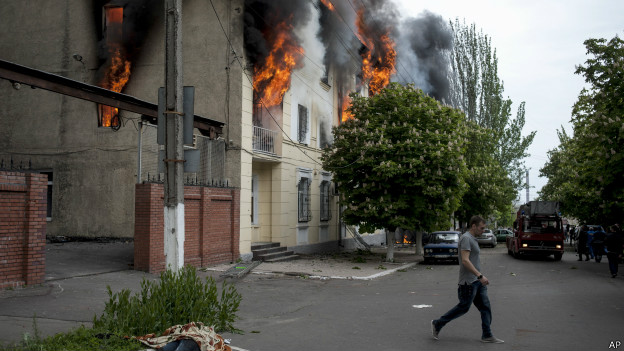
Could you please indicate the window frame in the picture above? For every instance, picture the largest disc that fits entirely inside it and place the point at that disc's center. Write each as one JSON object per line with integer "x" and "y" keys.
{"x": 304, "y": 209}
{"x": 302, "y": 125}
{"x": 325, "y": 203}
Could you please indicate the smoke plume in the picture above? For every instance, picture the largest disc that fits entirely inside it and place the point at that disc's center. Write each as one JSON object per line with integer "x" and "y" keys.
{"x": 425, "y": 42}
{"x": 263, "y": 15}
{"x": 138, "y": 18}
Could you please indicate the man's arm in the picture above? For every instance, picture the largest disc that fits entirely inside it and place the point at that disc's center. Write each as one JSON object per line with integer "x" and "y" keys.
{"x": 465, "y": 255}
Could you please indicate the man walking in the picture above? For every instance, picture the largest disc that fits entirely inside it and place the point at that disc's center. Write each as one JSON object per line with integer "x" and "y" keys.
{"x": 472, "y": 285}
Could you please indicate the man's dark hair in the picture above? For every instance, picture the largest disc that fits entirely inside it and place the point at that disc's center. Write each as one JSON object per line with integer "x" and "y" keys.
{"x": 476, "y": 220}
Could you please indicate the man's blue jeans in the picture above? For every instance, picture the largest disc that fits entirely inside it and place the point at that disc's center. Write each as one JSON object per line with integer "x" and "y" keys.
{"x": 468, "y": 294}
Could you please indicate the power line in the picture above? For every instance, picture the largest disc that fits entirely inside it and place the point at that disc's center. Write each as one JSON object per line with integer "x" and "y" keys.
{"x": 251, "y": 82}
{"x": 267, "y": 109}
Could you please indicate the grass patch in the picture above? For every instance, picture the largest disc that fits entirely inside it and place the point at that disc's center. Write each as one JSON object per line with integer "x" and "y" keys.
{"x": 358, "y": 259}
{"x": 177, "y": 298}
{"x": 79, "y": 339}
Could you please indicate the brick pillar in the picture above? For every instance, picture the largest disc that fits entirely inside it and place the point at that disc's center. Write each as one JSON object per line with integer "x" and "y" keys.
{"x": 235, "y": 217}
{"x": 149, "y": 247}
{"x": 212, "y": 222}
{"x": 36, "y": 201}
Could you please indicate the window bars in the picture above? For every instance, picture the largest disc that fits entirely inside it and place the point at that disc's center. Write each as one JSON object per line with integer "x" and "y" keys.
{"x": 303, "y": 203}
{"x": 325, "y": 200}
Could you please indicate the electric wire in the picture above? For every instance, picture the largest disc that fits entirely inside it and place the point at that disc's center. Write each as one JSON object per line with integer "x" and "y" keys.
{"x": 262, "y": 102}
{"x": 251, "y": 82}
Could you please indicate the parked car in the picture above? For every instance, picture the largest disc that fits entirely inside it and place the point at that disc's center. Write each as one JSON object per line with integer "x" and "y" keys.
{"x": 487, "y": 238}
{"x": 442, "y": 246}
{"x": 502, "y": 234}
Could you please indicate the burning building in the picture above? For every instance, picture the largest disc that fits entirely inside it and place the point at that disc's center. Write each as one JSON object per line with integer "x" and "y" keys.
{"x": 276, "y": 73}
{"x": 90, "y": 150}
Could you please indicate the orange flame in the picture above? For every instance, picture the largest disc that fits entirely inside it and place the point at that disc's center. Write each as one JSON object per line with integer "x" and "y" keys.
{"x": 328, "y": 4}
{"x": 272, "y": 78}
{"x": 117, "y": 74}
{"x": 406, "y": 240}
{"x": 346, "y": 115}
{"x": 376, "y": 69}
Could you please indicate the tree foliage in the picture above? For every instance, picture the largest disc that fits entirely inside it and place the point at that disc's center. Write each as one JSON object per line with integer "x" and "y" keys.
{"x": 585, "y": 171}
{"x": 497, "y": 148}
{"x": 489, "y": 189}
{"x": 400, "y": 161}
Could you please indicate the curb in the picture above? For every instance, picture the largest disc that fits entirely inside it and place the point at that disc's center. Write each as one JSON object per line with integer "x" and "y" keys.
{"x": 323, "y": 277}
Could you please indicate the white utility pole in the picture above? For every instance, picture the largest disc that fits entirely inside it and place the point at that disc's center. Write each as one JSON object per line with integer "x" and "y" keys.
{"x": 174, "y": 149}
{"x": 527, "y": 186}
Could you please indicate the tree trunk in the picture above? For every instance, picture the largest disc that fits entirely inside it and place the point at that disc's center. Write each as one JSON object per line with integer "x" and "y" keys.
{"x": 419, "y": 247}
{"x": 390, "y": 242}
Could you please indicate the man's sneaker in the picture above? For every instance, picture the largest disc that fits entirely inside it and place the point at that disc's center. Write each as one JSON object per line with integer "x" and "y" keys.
{"x": 434, "y": 331}
{"x": 492, "y": 339}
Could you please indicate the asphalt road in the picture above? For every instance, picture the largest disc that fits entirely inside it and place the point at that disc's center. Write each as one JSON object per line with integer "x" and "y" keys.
{"x": 538, "y": 304}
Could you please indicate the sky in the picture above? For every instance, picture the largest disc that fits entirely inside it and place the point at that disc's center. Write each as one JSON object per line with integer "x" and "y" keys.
{"x": 539, "y": 43}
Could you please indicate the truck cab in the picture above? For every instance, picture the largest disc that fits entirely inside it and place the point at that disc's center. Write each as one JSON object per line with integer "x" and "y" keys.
{"x": 538, "y": 230}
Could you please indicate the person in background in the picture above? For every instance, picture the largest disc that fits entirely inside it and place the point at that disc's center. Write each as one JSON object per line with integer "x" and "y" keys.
{"x": 590, "y": 238}
{"x": 598, "y": 244}
{"x": 582, "y": 244}
{"x": 613, "y": 243}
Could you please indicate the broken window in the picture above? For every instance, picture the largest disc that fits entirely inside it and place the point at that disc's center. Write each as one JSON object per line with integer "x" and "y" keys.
{"x": 117, "y": 71}
{"x": 303, "y": 124}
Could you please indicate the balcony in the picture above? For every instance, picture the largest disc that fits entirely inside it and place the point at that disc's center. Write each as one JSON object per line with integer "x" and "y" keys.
{"x": 265, "y": 141}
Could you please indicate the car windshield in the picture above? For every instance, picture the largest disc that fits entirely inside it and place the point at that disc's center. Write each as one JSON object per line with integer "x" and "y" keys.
{"x": 544, "y": 226}
{"x": 595, "y": 228}
{"x": 445, "y": 238}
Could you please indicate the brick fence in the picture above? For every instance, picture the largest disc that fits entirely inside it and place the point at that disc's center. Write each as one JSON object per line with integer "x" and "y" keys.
{"x": 212, "y": 230}
{"x": 23, "y": 199}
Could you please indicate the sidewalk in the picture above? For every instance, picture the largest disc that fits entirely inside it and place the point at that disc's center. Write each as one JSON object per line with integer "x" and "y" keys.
{"x": 78, "y": 273}
{"x": 347, "y": 265}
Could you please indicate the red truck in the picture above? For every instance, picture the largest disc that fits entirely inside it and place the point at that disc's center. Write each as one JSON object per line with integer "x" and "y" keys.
{"x": 538, "y": 230}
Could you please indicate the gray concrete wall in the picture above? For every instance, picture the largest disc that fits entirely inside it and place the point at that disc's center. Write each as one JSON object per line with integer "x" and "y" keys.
{"x": 95, "y": 168}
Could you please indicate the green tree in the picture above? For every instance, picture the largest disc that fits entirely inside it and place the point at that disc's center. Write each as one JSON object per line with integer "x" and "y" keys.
{"x": 399, "y": 162}
{"x": 489, "y": 188}
{"x": 477, "y": 90}
{"x": 595, "y": 154}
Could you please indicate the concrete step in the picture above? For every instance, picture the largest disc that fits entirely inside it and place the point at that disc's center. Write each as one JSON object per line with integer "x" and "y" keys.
{"x": 263, "y": 245}
{"x": 258, "y": 254}
{"x": 274, "y": 255}
{"x": 283, "y": 258}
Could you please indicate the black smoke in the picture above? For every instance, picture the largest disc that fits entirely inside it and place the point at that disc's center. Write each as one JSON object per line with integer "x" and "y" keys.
{"x": 139, "y": 17}
{"x": 263, "y": 15}
{"x": 339, "y": 34}
{"x": 424, "y": 48}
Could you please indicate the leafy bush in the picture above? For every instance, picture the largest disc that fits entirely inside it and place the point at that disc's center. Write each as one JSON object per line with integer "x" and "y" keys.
{"x": 178, "y": 298}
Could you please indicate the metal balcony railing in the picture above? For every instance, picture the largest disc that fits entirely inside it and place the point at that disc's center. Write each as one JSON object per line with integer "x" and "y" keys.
{"x": 264, "y": 140}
